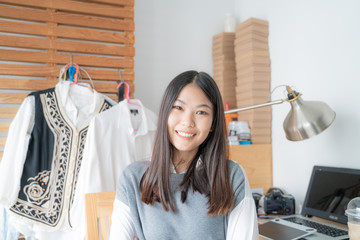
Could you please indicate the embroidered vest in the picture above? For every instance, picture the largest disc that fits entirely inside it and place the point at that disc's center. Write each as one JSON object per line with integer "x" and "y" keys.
{"x": 52, "y": 164}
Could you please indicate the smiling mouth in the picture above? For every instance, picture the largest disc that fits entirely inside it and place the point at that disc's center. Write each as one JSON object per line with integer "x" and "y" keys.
{"x": 185, "y": 134}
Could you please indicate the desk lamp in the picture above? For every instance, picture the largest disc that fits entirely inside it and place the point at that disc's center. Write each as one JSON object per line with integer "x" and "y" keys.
{"x": 305, "y": 119}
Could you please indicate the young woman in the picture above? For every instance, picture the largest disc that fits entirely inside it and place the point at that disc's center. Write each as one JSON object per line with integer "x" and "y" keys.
{"x": 189, "y": 190}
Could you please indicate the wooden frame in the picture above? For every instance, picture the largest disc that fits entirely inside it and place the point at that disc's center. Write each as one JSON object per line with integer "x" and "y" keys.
{"x": 98, "y": 210}
{"x": 37, "y": 38}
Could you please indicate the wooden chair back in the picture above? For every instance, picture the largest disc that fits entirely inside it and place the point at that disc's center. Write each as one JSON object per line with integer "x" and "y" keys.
{"x": 98, "y": 209}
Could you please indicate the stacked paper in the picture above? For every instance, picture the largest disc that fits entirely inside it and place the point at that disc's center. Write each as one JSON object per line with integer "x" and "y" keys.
{"x": 252, "y": 65}
{"x": 224, "y": 72}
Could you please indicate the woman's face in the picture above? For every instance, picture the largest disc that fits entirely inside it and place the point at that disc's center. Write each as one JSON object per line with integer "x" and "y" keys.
{"x": 190, "y": 120}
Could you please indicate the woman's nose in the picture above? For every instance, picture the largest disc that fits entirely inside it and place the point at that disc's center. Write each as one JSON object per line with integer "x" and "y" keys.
{"x": 188, "y": 120}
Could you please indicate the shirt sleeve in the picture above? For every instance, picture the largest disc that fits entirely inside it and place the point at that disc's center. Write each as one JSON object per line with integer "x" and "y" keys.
{"x": 243, "y": 223}
{"x": 16, "y": 147}
{"x": 122, "y": 226}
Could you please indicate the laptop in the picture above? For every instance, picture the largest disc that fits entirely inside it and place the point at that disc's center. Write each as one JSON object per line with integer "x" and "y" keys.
{"x": 329, "y": 191}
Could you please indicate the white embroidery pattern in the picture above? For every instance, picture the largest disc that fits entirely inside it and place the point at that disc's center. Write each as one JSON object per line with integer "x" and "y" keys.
{"x": 47, "y": 208}
{"x": 45, "y": 191}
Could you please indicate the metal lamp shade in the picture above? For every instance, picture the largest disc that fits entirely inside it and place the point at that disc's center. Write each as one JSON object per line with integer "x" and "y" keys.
{"x": 307, "y": 119}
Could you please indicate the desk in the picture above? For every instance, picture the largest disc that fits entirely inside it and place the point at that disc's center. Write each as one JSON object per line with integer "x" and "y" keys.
{"x": 315, "y": 218}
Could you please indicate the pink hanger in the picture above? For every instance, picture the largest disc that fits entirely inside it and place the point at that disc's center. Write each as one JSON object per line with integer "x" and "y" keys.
{"x": 127, "y": 93}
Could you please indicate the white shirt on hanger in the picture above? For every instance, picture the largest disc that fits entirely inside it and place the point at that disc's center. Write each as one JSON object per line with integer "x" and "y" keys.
{"x": 115, "y": 138}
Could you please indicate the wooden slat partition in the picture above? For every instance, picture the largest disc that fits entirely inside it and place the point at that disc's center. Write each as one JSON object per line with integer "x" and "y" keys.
{"x": 38, "y": 37}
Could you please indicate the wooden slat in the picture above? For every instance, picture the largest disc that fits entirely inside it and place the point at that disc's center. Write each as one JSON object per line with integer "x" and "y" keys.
{"x": 12, "y": 98}
{"x": 95, "y": 22}
{"x": 77, "y": 6}
{"x": 8, "y": 112}
{"x": 41, "y": 43}
{"x": 4, "y": 127}
{"x": 48, "y": 71}
{"x": 24, "y": 14}
{"x": 82, "y": 60}
{"x": 116, "y": 2}
{"x": 94, "y": 35}
{"x": 26, "y": 84}
{"x": 24, "y": 42}
{"x": 67, "y": 18}
{"x": 2, "y": 142}
{"x": 66, "y": 32}
{"x": 26, "y": 56}
{"x": 1, "y": 155}
{"x": 59, "y": 58}
{"x": 23, "y": 28}
{"x": 100, "y": 74}
{"x": 36, "y": 85}
{"x": 93, "y": 48}
{"x": 28, "y": 70}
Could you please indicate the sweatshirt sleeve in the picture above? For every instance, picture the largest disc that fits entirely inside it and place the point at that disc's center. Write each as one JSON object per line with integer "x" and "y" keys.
{"x": 16, "y": 147}
{"x": 243, "y": 223}
{"x": 122, "y": 226}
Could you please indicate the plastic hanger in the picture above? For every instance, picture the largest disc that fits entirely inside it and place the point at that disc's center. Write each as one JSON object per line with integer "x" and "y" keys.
{"x": 73, "y": 70}
{"x": 127, "y": 93}
{"x": 74, "y": 73}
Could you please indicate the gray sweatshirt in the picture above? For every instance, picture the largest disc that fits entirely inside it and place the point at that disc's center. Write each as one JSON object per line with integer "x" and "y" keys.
{"x": 189, "y": 222}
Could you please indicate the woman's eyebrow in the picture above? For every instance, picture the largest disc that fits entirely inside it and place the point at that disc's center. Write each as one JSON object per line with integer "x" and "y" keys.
{"x": 201, "y": 105}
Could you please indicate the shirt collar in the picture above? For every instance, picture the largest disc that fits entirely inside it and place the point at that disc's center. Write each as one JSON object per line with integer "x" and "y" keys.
{"x": 79, "y": 103}
{"x": 140, "y": 122}
{"x": 172, "y": 167}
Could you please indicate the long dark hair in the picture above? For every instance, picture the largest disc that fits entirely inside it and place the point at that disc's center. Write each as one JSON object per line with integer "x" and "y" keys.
{"x": 212, "y": 177}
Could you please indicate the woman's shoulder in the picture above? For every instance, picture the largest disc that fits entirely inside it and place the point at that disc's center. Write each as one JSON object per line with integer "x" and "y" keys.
{"x": 132, "y": 174}
{"x": 235, "y": 168}
{"x": 238, "y": 181}
{"x": 237, "y": 174}
{"x": 136, "y": 168}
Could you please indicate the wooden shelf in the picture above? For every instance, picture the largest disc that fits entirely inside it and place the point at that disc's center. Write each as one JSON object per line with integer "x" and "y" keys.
{"x": 256, "y": 159}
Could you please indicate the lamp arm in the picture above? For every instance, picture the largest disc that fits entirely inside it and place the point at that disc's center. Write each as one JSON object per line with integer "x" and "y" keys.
{"x": 255, "y": 106}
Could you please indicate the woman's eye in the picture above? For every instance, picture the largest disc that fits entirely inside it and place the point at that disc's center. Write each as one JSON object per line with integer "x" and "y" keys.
{"x": 201, "y": 113}
{"x": 177, "y": 107}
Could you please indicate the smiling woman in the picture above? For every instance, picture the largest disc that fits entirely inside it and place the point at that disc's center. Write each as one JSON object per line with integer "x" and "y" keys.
{"x": 189, "y": 181}
{"x": 189, "y": 124}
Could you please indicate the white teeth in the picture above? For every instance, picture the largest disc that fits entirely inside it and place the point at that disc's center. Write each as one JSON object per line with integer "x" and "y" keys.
{"x": 185, "y": 134}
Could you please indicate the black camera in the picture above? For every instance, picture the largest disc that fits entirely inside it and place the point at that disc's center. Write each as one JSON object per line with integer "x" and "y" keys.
{"x": 276, "y": 202}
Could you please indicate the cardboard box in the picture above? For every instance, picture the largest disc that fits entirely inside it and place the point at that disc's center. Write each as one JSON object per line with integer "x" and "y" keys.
{"x": 252, "y": 54}
{"x": 260, "y": 139}
{"x": 253, "y": 85}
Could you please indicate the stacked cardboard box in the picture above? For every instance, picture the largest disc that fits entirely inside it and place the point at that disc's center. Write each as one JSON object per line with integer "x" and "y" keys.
{"x": 253, "y": 76}
{"x": 224, "y": 72}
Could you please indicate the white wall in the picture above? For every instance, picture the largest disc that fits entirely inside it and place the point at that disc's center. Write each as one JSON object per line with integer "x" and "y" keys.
{"x": 314, "y": 46}
{"x": 172, "y": 37}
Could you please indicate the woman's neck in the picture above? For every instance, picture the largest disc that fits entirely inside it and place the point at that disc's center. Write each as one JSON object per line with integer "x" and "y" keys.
{"x": 182, "y": 161}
